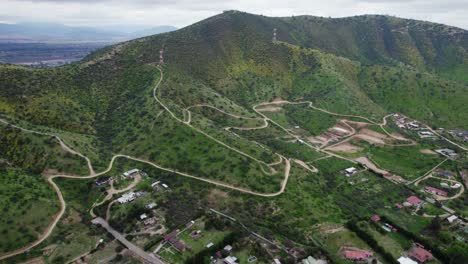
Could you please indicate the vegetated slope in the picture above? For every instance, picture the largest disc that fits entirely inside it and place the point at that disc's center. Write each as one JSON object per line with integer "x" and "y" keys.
{"x": 231, "y": 58}
{"x": 383, "y": 39}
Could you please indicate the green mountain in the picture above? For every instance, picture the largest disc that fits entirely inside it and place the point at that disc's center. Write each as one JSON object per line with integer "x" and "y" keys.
{"x": 107, "y": 104}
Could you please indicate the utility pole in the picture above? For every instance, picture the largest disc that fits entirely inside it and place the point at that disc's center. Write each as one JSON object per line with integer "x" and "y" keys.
{"x": 161, "y": 56}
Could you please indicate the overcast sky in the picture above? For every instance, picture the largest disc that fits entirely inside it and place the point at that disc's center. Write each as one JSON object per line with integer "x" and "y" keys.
{"x": 180, "y": 13}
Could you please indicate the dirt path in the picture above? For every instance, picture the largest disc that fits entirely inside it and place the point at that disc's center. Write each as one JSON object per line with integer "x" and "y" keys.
{"x": 93, "y": 174}
{"x": 305, "y": 166}
{"x": 265, "y": 123}
{"x": 64, "y": 146}
{"x": 199, "y": 130}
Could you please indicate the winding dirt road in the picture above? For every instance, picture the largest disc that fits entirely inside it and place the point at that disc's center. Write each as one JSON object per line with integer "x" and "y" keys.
{"x": 93, "y": 174}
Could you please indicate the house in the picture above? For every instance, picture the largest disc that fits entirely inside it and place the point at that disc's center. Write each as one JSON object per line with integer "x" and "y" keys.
{"x": 406, "y": 260}
{"x": 413, "y": 125}
{"x": 426, "y": 133}
{"x": 357, "y": 255}
{"x": 165, "y": 185}
{"x": 209, "y": 245}
{"x": 228, "y": 248}
{"x": 143, "y": 217}
{"x": 151, "y": 205}
{"x": 447, "y": 152}
{"x": 130, "y": 173}
{"x": 375, "y": 218}
{"x": 156, "y": 183}
{"x": 436, "y": 191}
{"x": 127, "y": 197}
{"x": 452, "y": 218}
{"x": 398, "y": 205}
{"x": 276, "y": 261}
{"x": 350, "y": 171}
{"x": 230, "y": 260}
{"x": 103, "y": 180}
{"x": 420, "y": 255}
{"x": 414, "y": 201}
{"x": 172, "y": 239}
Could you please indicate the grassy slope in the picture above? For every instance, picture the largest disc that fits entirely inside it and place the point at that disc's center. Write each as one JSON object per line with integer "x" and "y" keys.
{"x": 28, "y": 204}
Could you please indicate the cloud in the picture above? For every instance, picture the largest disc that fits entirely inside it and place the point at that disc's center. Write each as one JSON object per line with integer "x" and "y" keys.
{"x": 184, "y": 12}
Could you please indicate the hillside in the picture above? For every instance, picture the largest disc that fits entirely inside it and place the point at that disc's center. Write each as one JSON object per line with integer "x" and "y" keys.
{"x": 234, "y": 113}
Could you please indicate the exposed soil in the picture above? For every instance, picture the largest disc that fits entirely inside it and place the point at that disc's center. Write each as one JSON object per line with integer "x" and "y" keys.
{"x": 428, "y": 151}
{"x": 346, "y": 147}
{"x": 270, "y": 108}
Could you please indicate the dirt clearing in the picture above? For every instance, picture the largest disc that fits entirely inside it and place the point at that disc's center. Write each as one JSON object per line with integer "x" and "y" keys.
{"x": 428, "y": 151}
{"x": 346, "y": 147}
{"x": 269, "y": 108}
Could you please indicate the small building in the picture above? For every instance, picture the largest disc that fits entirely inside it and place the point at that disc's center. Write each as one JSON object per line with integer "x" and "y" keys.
{"x": 156, "y": 183}
{"x": 350, "y": 171}
{"x": 130, "y": 173}
{"x": 414, "y": 125}
{"x": 375, "y": 218}
{"x": 452, "y": 218}
{"x": 227, "y": 248}
{"x": 414, "y": 201}
{"x": 398, "y": 205}
{"x": 436, "y": 191}
{"x": 426, "y": 133}
{"x": 300, "y": 141}
{"x": 165, "y": 185}
{"x": 230, "y": 260}
{"x": 209, "y": 245}
{"x": 172, "y": 239}
{"x": 276, "y": 261}
{"x": 357, "y": 255}
{"x": 406, "y": 260}
{"x": 151, "y": 205}
{"x": 252, "y": 259}
{"x": 420, "y": 255}
{"x": 143, "y": 216}
{"x": 127, "y": 197}
{"x": 103, "y": 180}
{"x": 447, "y": 152}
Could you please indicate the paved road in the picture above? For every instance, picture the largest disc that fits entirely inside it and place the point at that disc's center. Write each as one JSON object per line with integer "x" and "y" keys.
{"x": 132, "y": 247}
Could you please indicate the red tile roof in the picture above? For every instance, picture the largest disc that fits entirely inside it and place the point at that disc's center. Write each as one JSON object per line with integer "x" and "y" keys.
{"x": 414, "y": 200}
{"x": 420, "y": 254}
{"x": 436, "y": 191}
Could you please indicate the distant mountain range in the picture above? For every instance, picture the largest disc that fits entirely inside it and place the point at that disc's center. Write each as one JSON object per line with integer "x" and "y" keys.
{"x": 51, "y": 32}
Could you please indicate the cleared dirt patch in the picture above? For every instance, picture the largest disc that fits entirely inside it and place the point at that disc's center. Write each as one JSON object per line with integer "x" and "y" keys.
{"x": 370, "y": 139}
{"x": 428, "y": 151}
{"x": 346, "y": 147}
{"x": 371, "y": 133}
{"x": 369, "y": 164}
{"x": 269, "y": 108}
